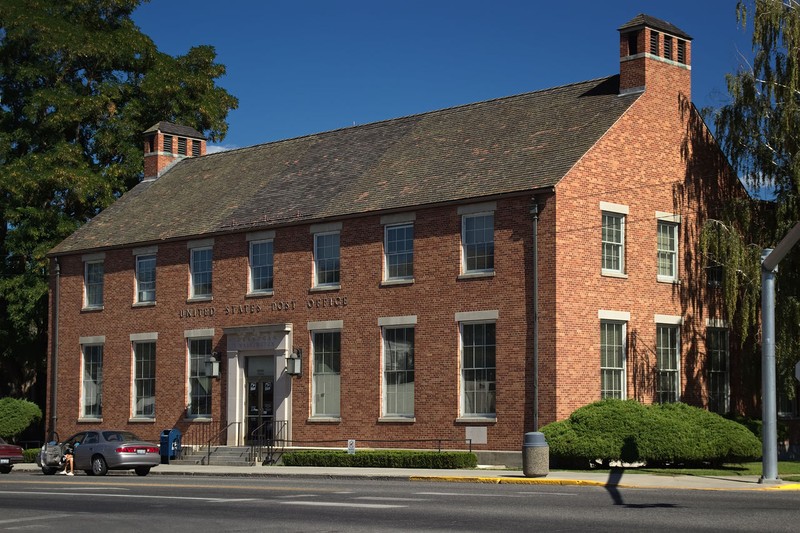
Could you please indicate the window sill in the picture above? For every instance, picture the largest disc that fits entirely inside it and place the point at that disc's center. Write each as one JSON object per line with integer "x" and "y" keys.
{"x": 196, "y": 299}
{"x": 90, "y": 420}
{"x": 144, "y": 304}
{"x": 396, "y": 282}
{"x": 324, "y": 288}
{"x": 92, "y": 309}
{"x": 476, "y": 420}
{"x": 612, "y": 274}
{"x": 259, "y": 294}
{"x": 670, "y": 280}
{"x": 325, "y": 420}
{"x": 141, "y": 420}
{"x": 397, "y": 420}
{"x": 476, "y": 275}
{"x": 201, "y": 419}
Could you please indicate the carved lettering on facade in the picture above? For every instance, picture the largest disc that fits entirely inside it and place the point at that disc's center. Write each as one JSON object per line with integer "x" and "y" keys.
{"x": 196, "y": 312}
{"x": 338, "y": 301}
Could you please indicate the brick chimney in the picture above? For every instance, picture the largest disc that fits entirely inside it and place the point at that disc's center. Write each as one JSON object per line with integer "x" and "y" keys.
{"x": 654, "y": 53}
{"x": 166, "y": 143}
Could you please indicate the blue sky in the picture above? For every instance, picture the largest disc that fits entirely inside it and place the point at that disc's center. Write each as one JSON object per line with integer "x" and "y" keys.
{"x": 305, "y": 66}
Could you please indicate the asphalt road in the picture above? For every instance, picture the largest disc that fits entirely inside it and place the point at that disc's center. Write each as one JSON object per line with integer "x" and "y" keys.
{"x": 198, "y": 504}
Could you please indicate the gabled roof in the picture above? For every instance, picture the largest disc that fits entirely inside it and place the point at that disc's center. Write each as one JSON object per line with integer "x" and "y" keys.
{"x": 175, "y": 129}
{"x": 503, "y": 146}
{"x": 642, "y": 20}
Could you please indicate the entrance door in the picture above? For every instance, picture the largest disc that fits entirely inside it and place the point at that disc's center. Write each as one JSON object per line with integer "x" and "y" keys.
{"x": 260, "y": 415}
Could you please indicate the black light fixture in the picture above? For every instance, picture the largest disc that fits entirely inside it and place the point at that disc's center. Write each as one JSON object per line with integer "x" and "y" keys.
{"x": 294, "y": 362}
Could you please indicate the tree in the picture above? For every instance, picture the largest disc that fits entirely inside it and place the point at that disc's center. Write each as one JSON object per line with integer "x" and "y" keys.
{"x": 16, "y": 416}
{"x": 759, "y": 131}
{"x": 79, "y": 83}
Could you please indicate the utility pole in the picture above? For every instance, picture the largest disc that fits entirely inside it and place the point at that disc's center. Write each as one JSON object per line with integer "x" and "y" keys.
{"x": 769, "y": 411}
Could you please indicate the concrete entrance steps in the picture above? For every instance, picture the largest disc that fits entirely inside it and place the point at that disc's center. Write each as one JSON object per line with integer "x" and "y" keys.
{"x": 220, "y": 456}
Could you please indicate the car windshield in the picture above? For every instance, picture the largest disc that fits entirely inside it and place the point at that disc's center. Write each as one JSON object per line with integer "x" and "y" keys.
{"x": 119, "y": 436}
{"x": 2, "y": 441}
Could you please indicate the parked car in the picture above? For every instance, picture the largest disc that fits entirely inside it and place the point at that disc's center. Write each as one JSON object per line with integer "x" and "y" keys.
{"x": 98, "y": 451}
{"x": 9, "y": 455}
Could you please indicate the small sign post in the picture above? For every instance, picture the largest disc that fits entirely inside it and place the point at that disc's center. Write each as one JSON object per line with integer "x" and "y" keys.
{"x": 351, "y": 446}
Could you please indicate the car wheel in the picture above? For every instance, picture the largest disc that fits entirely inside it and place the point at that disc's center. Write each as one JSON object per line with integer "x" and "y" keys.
{"x": 49, "y": 470}
{"x": 99, "y": 466}
{"x": 5, "y": 469}
{"x": 142, "y": 470}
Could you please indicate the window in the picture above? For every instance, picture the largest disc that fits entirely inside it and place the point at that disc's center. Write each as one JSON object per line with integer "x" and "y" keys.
{"x": 478, "y": 379}
{"x": 182, "y": 145}
{"x": 667, "y": 251}
{"x": 633, "y": 43}
{"x": 477, "y": 239}
{"x": 718, "y": 370}
{"x": 168, "y": 143}
{"x": 398, "y": 371}
{"x": 93, "y": 282}
{"x": 144, "y": 379}
{"x": 612, "y": 360}
{"x": 195, "y": 148}
{"x": 654, "y": 43}
{"x": 261, "y": 267}
{"x": 92, "y": 382}
{"x": 145, "y": 278}
{"x": 327, "y": 354}
{"x": 199, "y": 382}
{"x": 667, "y": 360}
{"x": 613, "y": 243}
{"x": 399, "y": 251}
{"x": 715, "y": 274}
{"x": 326, "y": 259}
{"x": 681, "y": 51}
{"x": 668, "y": 47}
{"x": 201, "y": 266}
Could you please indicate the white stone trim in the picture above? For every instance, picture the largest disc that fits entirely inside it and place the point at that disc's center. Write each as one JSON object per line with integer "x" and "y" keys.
{"x": 325, "y": 228}
{"x": 97, "y": 339}
{"x": 198, "y": 333}
{"x": 325, "y": 325}
{"x": 200, "y": 243}
{"x": 668, "y": 217}
{"x": 622, "y": 316}
{"x": 472, "y": 209}
{"x": 398, "y": 218}
{"x": 409, "y": 320}
{"x": 477, "y": 316}
{"x": 145, "y": 250}
{"x": 261, "y": 235}
{"x": 716, "y": 323}
{"x": 614, "y": 208}
{"x": 668, "y": 319}
{"x": 88, "y": 258}
{"x": 139, "y": 337}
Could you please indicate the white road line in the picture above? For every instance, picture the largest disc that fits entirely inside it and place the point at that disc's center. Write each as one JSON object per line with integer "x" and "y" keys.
{"x": 550, "y": 493}
{"x": 343, "y": 504}
{"x": 139, "y": 496}
{"x": 32, "y": 518}
{"x": 392, "y": 499}
{"x": 299, "y": 496}
{"x": 461, "y": 494}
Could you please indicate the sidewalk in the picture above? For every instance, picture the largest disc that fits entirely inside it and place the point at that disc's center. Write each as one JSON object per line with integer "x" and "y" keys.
{"x": 479, "y": 475}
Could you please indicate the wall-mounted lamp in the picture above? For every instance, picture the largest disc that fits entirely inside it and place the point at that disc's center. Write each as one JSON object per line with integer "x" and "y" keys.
{"x": 294, "y": 362}
{"x": 212, "y": 365}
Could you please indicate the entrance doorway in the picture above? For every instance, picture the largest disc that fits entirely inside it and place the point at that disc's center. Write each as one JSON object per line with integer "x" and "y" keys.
{"x": 260, "y": 400}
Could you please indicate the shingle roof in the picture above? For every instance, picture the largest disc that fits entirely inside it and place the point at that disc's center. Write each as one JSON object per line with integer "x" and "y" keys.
{"x": 662, "y": 25}
{"x": 502, "y": 146}
{"x": 175, "y": 129}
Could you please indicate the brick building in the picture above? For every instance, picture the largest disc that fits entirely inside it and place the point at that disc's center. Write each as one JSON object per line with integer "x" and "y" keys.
{"x": 425, "y": 273}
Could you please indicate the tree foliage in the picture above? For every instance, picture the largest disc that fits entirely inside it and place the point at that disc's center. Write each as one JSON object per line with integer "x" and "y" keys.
{"x": 79, "y": 83}
{"x": 16, "y": 416}
{"x": 759, "y": 130}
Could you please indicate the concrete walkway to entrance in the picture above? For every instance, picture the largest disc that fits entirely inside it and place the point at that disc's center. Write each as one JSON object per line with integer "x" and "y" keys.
{"x": 616, "y": 478}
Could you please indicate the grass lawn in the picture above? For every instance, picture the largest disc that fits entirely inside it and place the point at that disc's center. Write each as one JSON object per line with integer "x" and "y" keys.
{"x": 787, "y": 470}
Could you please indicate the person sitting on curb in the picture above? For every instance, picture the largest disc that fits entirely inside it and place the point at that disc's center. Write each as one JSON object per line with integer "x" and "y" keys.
{"x": 69, "y": 461}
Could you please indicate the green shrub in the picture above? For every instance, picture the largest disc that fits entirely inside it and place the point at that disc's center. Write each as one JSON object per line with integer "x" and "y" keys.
{"x": 659, "y": 435}
{"x": 29, "y": 455}
{"x": 381, "y": 459}
{"x": 16, "y": 415}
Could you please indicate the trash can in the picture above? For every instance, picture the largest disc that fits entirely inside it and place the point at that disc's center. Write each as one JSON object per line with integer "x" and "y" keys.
{"x": 170, "y": 445}
{"x": 535, "y": 455}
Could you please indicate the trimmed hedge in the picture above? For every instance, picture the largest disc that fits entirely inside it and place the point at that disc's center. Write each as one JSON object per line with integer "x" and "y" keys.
{"x": 16, "y": 415}
{"x": 659, "y": 435}
{"x": 381, "y": 459}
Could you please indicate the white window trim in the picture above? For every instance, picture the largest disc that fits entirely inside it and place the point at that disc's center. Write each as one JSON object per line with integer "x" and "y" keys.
{"x": 190, "y": 335}
{"x": 406, "y": 322}
{"x": 675, "y": 228}
{"x": 397, "y": 279}
{"x": 86, "y": 342}
{"x": 624, "y": 323}
{"x": 192, "y": 295}
{"x": 677, "y": 326}
{"x": 136, "y": 299}
{"x": 316, "y": 284}
{"x": 474, "y": 211}
{"x": 139, "y": 338}
{"x": 617, "y": 211}
{"x": 614, "y": 316}
{"x": 716, "y": 323}
{"x": 86, "y": 263}
{"x": 324, "y": 327}
{"x": 471, "y": 318}
{"x": 668, "y": 320}
{"x": 251, "y": 242}
{"x": 727, "y": 400}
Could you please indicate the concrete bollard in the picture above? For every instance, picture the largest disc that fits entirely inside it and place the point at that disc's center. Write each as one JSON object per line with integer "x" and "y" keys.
{"x": 535, "y": 455}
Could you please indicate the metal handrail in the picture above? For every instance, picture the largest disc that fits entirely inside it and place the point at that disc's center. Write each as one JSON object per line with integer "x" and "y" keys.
{"x": 216, "y": 437}
{"x": 259, "y": 441}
